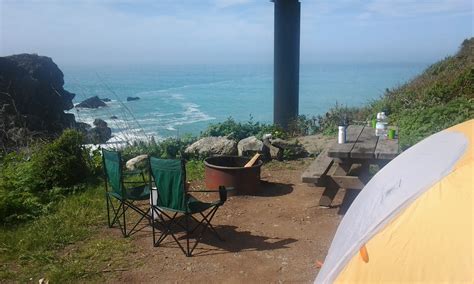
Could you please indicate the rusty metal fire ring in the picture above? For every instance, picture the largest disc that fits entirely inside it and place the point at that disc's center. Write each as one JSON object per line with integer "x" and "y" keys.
{"x": 230, "y": 172}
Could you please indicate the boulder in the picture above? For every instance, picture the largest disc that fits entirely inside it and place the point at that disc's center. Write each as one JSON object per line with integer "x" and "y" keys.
{"x": 249, "y": 146}
{"x": 211, "y": 146}
{"x": 291, "y": 149}
{"x": 139, "y": 162}
{"x": 272, "y": 152}
{"x": 92, "y": 102}
{"x": 129, "y": 99}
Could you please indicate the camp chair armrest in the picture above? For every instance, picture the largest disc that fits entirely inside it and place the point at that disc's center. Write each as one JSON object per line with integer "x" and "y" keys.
{"x": 222, "y": 192}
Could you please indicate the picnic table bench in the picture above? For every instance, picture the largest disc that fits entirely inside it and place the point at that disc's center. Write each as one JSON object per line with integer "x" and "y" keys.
{"x": 347, "y": 165}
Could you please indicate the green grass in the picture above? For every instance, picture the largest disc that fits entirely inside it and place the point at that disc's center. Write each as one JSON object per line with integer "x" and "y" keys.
{"x": 68, "y": 244}
{"x": 65, "y": 245}
{"x": 194, "y": 170}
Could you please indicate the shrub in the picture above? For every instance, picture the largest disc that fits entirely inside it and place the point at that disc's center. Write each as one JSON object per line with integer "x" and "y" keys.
{"x": 32, "y": 180}
{"x": 17, "y": 186}
{"x": 240, "y": 130}
{"x": 170, "y": 148}
{"x": 61, "y": 163}
{"x": 419, "y": 123}
{"x": 328, "y": 123}
{"x": 302, "y": 125}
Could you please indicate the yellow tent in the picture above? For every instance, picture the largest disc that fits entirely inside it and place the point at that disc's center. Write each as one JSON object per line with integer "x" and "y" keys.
{"x": 414, "y": 221}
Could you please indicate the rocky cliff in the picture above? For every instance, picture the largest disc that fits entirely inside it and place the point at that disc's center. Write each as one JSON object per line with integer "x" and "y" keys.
{"x": 32, "y": 99}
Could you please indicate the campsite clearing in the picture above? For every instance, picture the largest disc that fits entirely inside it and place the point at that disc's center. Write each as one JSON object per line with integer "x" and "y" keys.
{"x": 278, "y": 235}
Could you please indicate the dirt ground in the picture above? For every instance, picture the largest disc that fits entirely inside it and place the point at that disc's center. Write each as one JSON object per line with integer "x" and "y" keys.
{"x": 276, "y": 236}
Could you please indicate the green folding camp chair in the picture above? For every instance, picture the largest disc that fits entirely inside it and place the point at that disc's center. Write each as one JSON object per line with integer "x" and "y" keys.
{"x": 174, "y": 204}
{"x": 125, "y": 193}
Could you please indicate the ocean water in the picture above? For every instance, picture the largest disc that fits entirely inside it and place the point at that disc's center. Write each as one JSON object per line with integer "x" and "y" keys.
{"x": 175, "y": 100}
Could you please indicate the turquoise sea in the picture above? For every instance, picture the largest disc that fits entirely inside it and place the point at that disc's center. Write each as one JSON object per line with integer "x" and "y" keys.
{"x": 175, "y": 100}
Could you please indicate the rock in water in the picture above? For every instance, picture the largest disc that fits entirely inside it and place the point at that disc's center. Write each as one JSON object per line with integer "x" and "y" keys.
{"x": 100, "y": 133}
{"x": 92, "y": 102}
{"x": 209, "y": 146}
{"x": 99, "y": 123}
{"x": 32, "y": 98}
{"x": 106, "y": 100}
{"x": 129, "y": 99}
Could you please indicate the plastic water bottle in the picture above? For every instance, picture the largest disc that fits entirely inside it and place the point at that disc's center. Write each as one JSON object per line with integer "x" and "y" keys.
{"x": 381, "y": 125}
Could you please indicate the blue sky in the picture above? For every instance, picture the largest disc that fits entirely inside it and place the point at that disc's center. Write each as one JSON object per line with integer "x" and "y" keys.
{"x": 76, "y": 32}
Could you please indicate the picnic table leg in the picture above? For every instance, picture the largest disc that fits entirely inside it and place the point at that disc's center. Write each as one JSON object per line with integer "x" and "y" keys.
{"x": 328, "y": 194}
{"x": 364, "y": 174}
{"x": 339, "y": 168}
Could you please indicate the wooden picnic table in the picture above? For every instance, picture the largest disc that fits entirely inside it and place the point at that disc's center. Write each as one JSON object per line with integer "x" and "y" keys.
{"x": 347, "y": 165}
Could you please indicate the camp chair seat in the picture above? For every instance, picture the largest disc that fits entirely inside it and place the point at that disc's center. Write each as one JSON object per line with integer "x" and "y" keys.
{"x": 134, "y": 193}
{"x": 196, "y": 206}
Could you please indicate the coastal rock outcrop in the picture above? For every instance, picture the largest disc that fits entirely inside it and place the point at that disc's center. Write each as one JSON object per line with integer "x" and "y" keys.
{"x": 92, "y": 102}
{"x": 32, "y": 99}
{"x": 210, "y": 146}
{"x": 129, "y": 99}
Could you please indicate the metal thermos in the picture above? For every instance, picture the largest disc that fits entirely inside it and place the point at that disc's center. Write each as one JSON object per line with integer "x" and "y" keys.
{"x": 341, "y": 138}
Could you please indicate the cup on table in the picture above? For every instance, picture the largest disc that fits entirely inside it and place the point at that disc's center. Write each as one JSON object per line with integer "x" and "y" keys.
{"x": 391, "y": 134}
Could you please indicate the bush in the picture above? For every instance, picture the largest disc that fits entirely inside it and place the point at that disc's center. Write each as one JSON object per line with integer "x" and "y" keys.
{"x": 32, "y": 180}
{"x": 419, "y": 123}
{"x": 328, "y": 123}
{"x": 17, "y": 186}
{"x": 240, "y": 130}
{"x": 170, "y": 148}
{"x": 303, "y": 125}
{"x": 63, "y": 162}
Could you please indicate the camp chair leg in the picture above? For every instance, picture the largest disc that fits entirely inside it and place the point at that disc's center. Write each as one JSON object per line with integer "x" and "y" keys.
{"x": 143, "y": 214}
{"x": 188, "y": 253}
{"x": 124, "y": 221}
{"x": 119, "y": 213}
{"x": 167, "y": 228}
{"x": 210, "y": 225}
{"x": 208, "y": 222}
{"x": 174, "y": 221}
{"x": 107, "y": 198}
